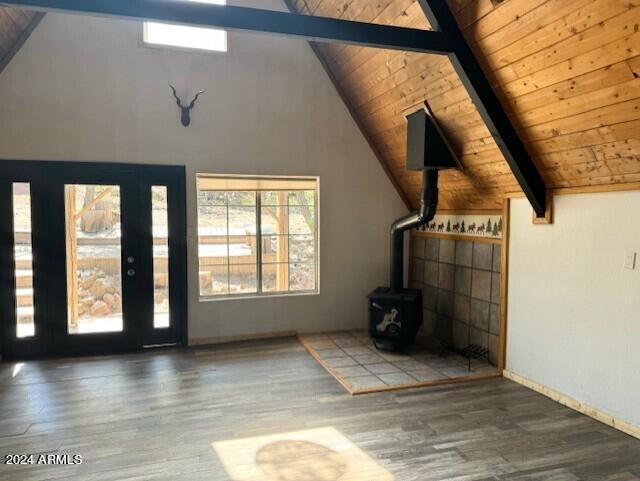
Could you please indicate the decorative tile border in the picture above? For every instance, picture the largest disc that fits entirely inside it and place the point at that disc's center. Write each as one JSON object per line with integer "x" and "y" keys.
{"x": 471, "y": 225}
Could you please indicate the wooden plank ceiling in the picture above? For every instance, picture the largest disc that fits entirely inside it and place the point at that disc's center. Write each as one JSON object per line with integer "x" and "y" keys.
{"x": 15, "y": 26}
{"x": 565, "y": 71}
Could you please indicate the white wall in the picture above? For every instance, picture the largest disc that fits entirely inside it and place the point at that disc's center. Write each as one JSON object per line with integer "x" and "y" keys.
{"x": 574, "y": 311}
{"x": 84, "y": 89}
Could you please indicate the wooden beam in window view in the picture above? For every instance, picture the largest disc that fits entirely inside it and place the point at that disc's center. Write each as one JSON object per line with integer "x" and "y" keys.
{"x": 488, "y": 105}
{"x": 320, "y": 29}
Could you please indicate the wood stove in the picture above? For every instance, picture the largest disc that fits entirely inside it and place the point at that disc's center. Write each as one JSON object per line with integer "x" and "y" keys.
{"x": 395, "y": 313}
{"x": 394, "y": 317}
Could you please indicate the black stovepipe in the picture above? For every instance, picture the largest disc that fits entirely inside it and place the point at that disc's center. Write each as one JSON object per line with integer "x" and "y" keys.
{"x": 428, "y": 205}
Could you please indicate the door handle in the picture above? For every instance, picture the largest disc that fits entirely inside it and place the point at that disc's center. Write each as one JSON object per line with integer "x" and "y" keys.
{"x": 131, "y": 272}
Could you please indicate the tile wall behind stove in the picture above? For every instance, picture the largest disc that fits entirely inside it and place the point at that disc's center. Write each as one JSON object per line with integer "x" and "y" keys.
{"x": 461, "y": 291}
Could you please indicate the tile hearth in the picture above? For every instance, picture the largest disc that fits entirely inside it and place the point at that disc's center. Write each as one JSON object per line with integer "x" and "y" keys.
{"x": 353, "y": 360}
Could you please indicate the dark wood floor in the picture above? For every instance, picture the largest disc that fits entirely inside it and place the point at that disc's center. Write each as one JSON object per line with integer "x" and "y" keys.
{"x": 154, "y": 416}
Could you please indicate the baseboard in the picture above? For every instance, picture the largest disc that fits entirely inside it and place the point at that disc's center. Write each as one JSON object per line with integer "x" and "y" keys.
{"x": 625, "y": 427}
{"x": 203, "y": 341}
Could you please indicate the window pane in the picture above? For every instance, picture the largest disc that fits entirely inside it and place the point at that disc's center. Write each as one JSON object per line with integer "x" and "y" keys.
{"x": 275, "y": 249}
{"x": 241, "y": 198}
{"x": 212, "y": 220}
{"x": 288, "y": 197}
{"x": 302, "y": 248}
{"x": 213, "y": 270}
{"x": 213, "y": 243}
{"x": 242, "y": 221}
{"x": 269, "y": 197}
{"x": 24, "y": 259}
{"x": 302, "y": 197}
{"x": 93, "y": 254}
{"x": 213, "y": 249}
{"x": 243, "y": 249}
{"x": 243, "y": 279}
{"x": 275, "y": 198}
{"x": 214, "y": 280}
{"x": 302, "y": 220}
{"x": 287, "y": 232}
{"x": 212, "y": 197}
{"x": 303, "y": 277}
{"x": 160, "y": 229}
{"x": 187, "y": 37}
{"x": 274, "y": 220}
{"x": 275, "y": 277}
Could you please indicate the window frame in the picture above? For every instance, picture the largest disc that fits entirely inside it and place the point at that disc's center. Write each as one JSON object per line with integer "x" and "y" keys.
{"x": 260, "y": 294}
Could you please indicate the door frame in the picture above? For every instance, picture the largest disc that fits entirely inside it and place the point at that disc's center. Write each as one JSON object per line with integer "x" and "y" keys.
{"x": 47, "y": 180}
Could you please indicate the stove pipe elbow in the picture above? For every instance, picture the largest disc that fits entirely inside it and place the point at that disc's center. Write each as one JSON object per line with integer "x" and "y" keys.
{"x": 426, "y": 212}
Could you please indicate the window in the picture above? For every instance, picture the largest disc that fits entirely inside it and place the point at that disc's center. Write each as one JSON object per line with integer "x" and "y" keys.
{"x": 94, "y": 253}
{"x": 23, "y": 253}
{"x": 186, "y": 37}
{"x": 257, "y": 235}
{"x": 160, "y": 231}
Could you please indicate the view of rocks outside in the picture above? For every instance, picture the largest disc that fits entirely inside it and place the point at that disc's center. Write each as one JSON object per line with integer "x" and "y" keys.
{"x": 93, "y": 258}
{"x": 99, "y": 294}
{"x": 228, "y": 244}
{"x": 94, "y": 253}
{"x": 94, "y": 277}
{"x": 228, "y": 241}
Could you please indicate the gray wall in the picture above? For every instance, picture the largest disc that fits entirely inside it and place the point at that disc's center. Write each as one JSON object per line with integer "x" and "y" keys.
{"x": 461, "y": 287}
{"x": 84, "y": 89}
{"x": 574, "y": 310}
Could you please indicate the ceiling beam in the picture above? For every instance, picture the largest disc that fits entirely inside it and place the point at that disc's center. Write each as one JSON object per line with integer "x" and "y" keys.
{"x": 447, "y": 39}
{"x": 354, "y": 116}
{"x": 319, "y": 29}
{"x": 488, "y": 105}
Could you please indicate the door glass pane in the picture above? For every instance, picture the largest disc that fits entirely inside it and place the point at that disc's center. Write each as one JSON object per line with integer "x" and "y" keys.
{"x": 93, "y": 246}
{"x": 23, "y": 255}
{"x": 160, "y": 220}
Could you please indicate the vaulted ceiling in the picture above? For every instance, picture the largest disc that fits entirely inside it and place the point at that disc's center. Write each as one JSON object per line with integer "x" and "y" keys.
{"x": 566, "y": 72}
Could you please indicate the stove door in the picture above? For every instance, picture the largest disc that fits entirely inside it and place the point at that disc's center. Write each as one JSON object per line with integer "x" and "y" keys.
{"x": 385, "y": 318}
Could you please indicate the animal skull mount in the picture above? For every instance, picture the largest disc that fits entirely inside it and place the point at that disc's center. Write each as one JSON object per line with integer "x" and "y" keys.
{"x": 185, "y": 112}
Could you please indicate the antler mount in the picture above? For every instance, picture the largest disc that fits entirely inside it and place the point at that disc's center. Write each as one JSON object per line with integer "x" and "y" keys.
{"x": 185, "y": 112}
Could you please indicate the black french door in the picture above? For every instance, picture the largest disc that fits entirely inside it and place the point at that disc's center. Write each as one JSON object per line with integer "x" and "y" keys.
{"x": 92, "y": 257}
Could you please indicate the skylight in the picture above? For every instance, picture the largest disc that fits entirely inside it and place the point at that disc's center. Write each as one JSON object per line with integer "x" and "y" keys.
{"x": 180, "y": 36}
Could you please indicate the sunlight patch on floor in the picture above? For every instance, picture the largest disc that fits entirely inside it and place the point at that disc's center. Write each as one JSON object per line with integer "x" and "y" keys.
{"x": 17, "y": 368}
{"x": 321, "y": 454}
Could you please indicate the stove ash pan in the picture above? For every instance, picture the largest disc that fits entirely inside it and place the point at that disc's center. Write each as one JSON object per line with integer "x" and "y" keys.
{"x": 394, "y": 317}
